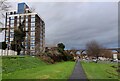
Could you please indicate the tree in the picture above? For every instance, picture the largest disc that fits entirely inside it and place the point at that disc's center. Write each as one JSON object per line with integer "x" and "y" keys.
{"x": 19, "y": 36}
{"x": 73, "y": 51}
{"x": 3, "y": 45}
{"x": 93, "y": 48}
{"x": 4, "y": 6}
{"x": 61, "y": 47}
{"x": 106, "y": 53}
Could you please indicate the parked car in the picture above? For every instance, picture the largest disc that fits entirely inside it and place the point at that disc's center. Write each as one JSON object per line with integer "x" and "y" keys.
{"x": 95, "y": 60}
{"x": 114, "y": 60}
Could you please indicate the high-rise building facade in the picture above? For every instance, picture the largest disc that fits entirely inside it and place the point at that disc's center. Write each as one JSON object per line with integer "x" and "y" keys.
{"x": 33, "y": 24}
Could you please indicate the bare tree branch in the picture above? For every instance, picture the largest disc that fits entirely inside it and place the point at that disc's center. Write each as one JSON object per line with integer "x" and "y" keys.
{"x": 93, "y": 48}
{"x": 32, "y": 9}
{"x": 4, "y": 6}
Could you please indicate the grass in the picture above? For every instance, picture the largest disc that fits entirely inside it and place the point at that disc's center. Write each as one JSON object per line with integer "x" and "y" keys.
{"x": 13, "y": 63}
{"x": 33, "y": 68}
{"x": 100, "y": 70}
{"x": 0, "y": 68}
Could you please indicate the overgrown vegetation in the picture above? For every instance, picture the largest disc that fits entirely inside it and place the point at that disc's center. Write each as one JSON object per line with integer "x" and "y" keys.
{"x": 56, "y": 54}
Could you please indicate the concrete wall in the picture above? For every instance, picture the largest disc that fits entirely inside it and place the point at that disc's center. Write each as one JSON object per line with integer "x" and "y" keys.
{"x": 7, "y": 52}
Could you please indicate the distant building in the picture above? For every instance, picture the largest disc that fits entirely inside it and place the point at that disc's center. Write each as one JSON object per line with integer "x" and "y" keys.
{"x": 35, "y": 37}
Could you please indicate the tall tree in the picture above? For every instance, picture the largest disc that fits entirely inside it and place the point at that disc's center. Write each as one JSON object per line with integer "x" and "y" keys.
{"x": 106, "y": 53}
{"x": 93, "y": 48}
{"x": 19, "y": 36}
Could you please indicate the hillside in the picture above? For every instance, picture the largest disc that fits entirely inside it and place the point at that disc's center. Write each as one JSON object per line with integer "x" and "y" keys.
{"x": 11, "y": 64}
{"x": 28, "y": 67}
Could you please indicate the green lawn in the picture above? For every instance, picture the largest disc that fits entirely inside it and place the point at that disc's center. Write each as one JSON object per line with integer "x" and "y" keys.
{"x": 100, "y": 70}
{"x": 0, "y": 68}
{"x": 37, "y": 69}
{"x": 13, "y": 63}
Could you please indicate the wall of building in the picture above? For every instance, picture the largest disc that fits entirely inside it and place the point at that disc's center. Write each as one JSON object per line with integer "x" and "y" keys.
{"x": 7, "y": 52}
{"x": 33, "y": 25}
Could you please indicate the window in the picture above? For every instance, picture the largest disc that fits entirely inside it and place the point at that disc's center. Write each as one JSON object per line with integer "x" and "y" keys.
{"x": 11, "y": 39}
{"x": 12, "y": 22}
{"x": 25, "y": 43}
{"x": 18, "y": 21}
{"x": 11, "y": 34}
{"x": 26, "y": 47}
{"x": 22, "y": 17}
{"x": 32, "y": 33}
{"x": 32, "y": 38}
{"x": 32, "y": 19}
{"x": 6, "y": 39}
{"x": 32, "y": 43}
{"x": 12, "y": 26}
{"x": 12, "y": 18}
{"x": 32, "y": 24}
{"x": 26, "y": 19}
{"x": 32, "y": 29}
{"x": 33, "y": 16}
{"x": 32, "y": 47}
{"x": 6, "y": 33}
{"x": 17, "y": 24}
{"x": 26, "y": 24}
{"x": 26, "y": 28}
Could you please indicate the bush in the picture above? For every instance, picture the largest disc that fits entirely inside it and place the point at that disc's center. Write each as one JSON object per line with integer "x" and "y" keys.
{"x": 47, "y": 59}
{"x": 56, "y": 54}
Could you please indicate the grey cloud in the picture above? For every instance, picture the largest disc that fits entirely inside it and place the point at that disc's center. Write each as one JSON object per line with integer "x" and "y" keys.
{"x": 75, "y": 24}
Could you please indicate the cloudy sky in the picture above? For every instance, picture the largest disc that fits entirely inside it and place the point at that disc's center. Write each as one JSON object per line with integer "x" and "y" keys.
{"x": 76, "y": 23}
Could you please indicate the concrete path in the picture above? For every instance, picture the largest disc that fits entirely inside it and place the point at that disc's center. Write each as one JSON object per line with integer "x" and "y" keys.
{"x": 78, "y": 73}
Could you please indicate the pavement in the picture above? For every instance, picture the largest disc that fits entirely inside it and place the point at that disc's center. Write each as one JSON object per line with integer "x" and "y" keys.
{"x": 78, "y": 73}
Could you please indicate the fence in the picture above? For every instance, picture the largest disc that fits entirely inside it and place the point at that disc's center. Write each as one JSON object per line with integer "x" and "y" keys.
{"x": 7, "y": 52}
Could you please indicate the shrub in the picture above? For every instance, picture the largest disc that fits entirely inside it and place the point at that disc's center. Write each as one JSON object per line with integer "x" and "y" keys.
{"x": 47, "y": 59}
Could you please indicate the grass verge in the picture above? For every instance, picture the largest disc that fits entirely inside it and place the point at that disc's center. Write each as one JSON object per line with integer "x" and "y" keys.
{"x": 100, "y": 70}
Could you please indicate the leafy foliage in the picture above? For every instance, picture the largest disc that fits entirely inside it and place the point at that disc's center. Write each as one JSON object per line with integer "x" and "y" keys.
{"x": 61, "y": 47}
{"x": 19, "y": 36}
{"x": 56, "y": 54}
{"x": 3, "y": 45}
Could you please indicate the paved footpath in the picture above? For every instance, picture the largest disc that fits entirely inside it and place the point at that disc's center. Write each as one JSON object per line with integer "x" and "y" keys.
{"x": 78, "y": 73}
